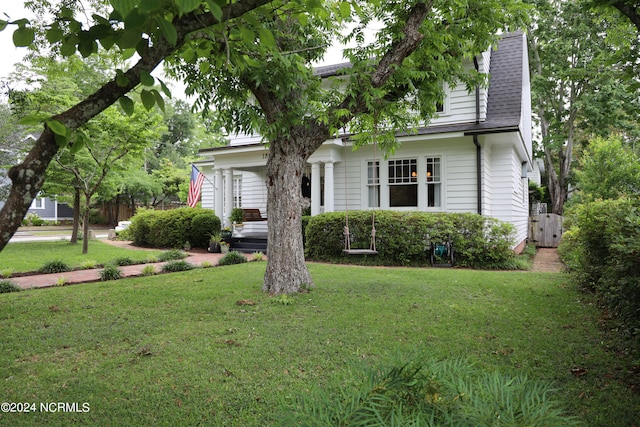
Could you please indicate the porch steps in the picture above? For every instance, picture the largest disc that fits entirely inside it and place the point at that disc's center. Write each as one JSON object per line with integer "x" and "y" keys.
{"x": 249, "y": 245}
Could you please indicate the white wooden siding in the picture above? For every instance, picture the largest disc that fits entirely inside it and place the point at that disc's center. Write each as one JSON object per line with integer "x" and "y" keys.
{"x": 243, "y": 139}
{"x": 458, "y": 171}
{"x": 207, "y": 196}
{"x": 254, "y": 195}
{"x": 509, "y": 201}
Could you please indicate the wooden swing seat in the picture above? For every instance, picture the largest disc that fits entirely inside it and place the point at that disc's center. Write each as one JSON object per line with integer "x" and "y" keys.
{"x": 360, "y": 252}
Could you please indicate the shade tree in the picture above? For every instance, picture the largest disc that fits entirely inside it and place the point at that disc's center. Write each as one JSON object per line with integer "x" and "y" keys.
{"x": 259, "y": 74}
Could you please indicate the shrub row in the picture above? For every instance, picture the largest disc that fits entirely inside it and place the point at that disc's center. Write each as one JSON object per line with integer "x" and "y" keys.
{"x": 602, "y": 249}
{"x": 404, "y": 238}
{"x": 174, "y": 228}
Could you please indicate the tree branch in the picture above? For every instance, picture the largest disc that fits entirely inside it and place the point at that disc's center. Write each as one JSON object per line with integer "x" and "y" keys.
{"x": 27, "y": 178}
{"x": 629, "y": 11}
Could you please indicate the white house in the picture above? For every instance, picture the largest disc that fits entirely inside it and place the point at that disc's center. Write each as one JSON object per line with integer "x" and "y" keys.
{"x": 474, "y": 157}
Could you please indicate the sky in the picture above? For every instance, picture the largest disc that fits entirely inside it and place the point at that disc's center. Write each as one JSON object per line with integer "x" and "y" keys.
{"x": 9, "y": 54}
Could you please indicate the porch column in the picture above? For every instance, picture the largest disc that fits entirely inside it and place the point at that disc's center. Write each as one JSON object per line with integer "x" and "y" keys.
{"x": 315, "y": 189}
{"x": 328, "y": 187}
{"x": 228, "y": 195}
{"x": 218, "y": 194}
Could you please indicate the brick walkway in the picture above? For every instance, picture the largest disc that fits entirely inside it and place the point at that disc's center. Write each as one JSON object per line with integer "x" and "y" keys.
{"x": 196, "y": 257}
{"x": 547, "y": 260}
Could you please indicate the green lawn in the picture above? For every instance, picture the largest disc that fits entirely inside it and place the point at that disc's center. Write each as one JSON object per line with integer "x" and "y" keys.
{"x": 178, "y": 349}
{"x": 30, "y": 256}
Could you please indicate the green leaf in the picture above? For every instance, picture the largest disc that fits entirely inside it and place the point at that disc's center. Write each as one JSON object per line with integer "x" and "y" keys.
{"x": 146, "y": 78}
{"x": 68, "y": 46}
{"x": 23, "y": 36}
{"x": 56, "y": 127}
{"x": 186, "y": 6}
{"x": 100, "y": 31}
{"x": 77, "y": 145}
{"x": 127, "y": 105}
{"x": 101, "y": 20}
{"x": 247, "y": 35}
{"x": 149, "y": 5}
{"x": 108, "y": 42}
{"x": 54, "y": 35}
{"x": 159, "y": 99}
{"x": 266, "y": 38}
{"x": 148, "y": 100}
{"x": 215, "y": 9}
{"x": 165, "y": 89}
{"x": 129, "y": 38}
{"x": 123, "y": 6}
{"x": 168, "y": 30}
{"x": 3, "y": 24}
{"x": 121, "y": 79}
{"x": 61, "y": 140}
{"x": 204, "y": 67}
{"x": 31, "y": 120}
{"x": 128, "y": 53}
{"x": 189, "y": 55}
{"x": 135, "y": 20}
{"x": 87, "y": 46}
{"x": 345, "y": 9}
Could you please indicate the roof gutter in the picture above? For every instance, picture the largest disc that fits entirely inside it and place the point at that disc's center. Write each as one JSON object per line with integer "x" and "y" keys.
{"x": 476, "y": 142}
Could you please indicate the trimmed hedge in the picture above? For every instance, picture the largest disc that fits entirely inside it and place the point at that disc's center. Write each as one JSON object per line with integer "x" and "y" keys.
{"x": 173, "y": 228}
{"x": 602, "y": 250}
{"x": 403, "y": 238}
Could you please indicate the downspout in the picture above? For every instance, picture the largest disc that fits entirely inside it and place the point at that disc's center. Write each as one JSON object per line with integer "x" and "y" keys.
{"x": 477, "y": 144}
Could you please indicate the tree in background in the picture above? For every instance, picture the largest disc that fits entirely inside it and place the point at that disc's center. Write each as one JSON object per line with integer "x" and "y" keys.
{"x": 609, "y": 169}
{"x": 577, "y": 88}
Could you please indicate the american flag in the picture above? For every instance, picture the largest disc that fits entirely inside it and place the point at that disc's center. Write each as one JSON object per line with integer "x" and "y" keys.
{"x": 195, "y": 186}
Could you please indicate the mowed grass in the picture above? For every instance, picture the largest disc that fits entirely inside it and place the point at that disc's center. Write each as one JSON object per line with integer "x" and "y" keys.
{"x": 207, "y": 347}
{"x": 30, "y": 256}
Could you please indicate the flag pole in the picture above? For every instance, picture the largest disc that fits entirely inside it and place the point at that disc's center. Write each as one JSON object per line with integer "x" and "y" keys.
{"x": 205, "y": 176}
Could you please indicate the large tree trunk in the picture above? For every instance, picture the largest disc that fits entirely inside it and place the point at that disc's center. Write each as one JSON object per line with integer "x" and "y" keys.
{"x": 557, "y": 187}
{"x": 286, "y": 268}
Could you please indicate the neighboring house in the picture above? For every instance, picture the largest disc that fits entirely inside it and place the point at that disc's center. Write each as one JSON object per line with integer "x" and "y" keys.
{"x": 474, "y": 157}
{"x": 49, "y": 209}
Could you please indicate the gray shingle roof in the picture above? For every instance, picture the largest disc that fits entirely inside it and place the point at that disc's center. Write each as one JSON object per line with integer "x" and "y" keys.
{"x": 505, "y": 84}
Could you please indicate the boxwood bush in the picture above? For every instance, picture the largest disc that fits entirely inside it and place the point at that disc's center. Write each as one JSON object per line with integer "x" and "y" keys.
{"x": 173, "y": 228}
{"x": 404, "y": 238}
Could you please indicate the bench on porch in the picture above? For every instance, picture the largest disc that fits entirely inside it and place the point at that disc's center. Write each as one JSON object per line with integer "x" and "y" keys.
{"x": 252, "y": 215}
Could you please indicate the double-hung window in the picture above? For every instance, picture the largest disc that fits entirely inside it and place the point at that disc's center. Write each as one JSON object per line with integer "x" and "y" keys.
{"x": 237, "y": 192}
{"x": 434, "y": 182}
{"x": 403, "y": 183}
{"x": 373, "y": 184}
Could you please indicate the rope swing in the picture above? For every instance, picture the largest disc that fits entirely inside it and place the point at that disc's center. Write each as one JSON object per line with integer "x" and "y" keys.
{"x": 347, "y": 236}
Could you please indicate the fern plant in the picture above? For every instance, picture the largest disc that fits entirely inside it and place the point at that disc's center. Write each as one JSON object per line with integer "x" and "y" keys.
{"x": 430, "y": 392}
